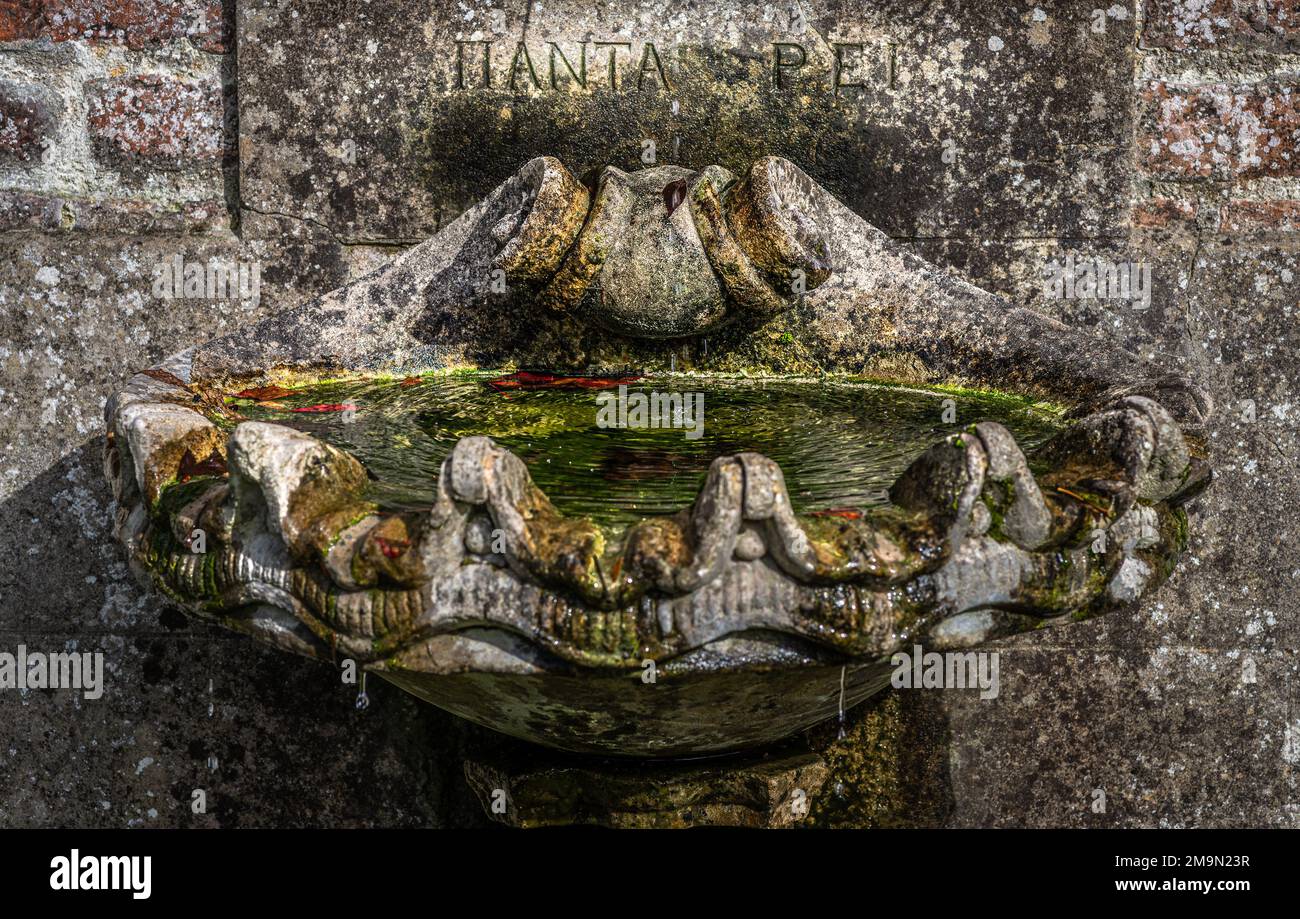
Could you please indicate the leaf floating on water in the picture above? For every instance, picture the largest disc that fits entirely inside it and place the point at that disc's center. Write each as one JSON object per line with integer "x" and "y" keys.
{"x": 844, "y": 513}
{"x": 213, "y": 464}
{"x": 527, "y": 379}
{"x": 327, "y": 407}
{"x": 264, "y": 393}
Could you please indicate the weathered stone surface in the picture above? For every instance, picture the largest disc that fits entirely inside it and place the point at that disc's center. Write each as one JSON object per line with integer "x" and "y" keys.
{"x": 24, "y": 122}
{"x": 131, "y": 142}
{"x": 185, "y": 708}
{"x": 157, "y": 118}
{"x": 53, "y": 213}
{"x": 1222, "y": 306}
{"x": 80, "y": 314}
{"x": 917, "y": 117}
{"x": 1119, "y": 736}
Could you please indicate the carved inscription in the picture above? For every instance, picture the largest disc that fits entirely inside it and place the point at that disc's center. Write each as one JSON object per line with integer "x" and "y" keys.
{"x": 513, "y": 65}
{"x": 518, "y": 66}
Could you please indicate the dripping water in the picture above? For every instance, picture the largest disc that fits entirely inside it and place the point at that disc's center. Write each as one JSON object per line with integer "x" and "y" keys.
{"x": 363, "y": 700}
{"x": 842, "y": 731}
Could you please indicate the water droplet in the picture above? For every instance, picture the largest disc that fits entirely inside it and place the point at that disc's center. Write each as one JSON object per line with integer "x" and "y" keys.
{"x": 842, "y": 731}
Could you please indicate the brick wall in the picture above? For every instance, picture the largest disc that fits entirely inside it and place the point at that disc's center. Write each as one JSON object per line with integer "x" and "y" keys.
{"x": 115, "y": 115}
{"x": 1220, "y": 131}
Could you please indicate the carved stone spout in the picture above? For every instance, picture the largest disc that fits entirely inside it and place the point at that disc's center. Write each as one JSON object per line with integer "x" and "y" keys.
{"x": 668, "y": 252}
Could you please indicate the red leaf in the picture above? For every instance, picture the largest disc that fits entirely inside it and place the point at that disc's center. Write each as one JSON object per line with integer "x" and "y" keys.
{"x": 527, "y": 379}
{"x": 844, "y": 513}
{"x": 675, "y": 194}
{"x": 264, "y": 393}
{"x": 165, "y": 376}
{"x": 327, "y": 407}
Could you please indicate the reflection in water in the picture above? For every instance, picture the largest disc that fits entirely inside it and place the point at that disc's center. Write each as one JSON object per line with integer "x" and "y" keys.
{"x": 840, "y": 445}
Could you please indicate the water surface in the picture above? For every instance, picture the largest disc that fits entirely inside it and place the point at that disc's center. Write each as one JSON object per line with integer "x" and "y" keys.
{"x": 840, "y": 445}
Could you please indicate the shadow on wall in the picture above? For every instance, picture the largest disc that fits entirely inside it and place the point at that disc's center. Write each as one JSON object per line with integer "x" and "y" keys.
{"x": 271, "y": 739}
{"x": 274, "y": 740}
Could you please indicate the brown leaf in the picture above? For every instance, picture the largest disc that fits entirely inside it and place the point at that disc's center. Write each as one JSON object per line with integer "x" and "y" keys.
{"x": 264, "y": 393}
{"x": 166, "y": 377}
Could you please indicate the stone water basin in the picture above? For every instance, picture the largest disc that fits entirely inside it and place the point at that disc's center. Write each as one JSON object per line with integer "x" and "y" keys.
{"x": 886, "y": 456}
{"x": 668, "y": 564}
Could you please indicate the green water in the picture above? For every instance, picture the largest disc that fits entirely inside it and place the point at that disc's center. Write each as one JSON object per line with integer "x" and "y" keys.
{"x": 840, "y": 445}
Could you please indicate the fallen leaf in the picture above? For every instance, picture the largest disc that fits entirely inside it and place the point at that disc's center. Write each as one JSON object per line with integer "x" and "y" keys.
{"x": 844, "y": 513}
{"x": 327, "y": 407}
{"x": 675, "y": 194}
{"x": 166, "y": 377}
{"x": 527, "y": 379}
{"x": 264, "y": 393}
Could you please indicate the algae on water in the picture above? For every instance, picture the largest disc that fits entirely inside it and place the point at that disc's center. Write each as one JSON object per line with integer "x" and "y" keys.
{"x": 839, "y": 444}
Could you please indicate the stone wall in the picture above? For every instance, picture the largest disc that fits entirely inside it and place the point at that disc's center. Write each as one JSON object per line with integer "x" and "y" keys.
{"x": 993, "y": 137}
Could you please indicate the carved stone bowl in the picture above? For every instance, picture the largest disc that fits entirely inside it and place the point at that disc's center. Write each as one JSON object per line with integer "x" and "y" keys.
{"x": 730, "y": 622}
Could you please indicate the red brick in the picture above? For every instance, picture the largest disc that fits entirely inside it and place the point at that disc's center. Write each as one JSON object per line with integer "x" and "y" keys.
{"x": 1163, "y": 212}
{"x": 1221, "y": 131}
{"x": 1222, "y": 24}
{"x": 134, "y": 23}
{"x": 1249, "y": 216}
{"x": 24, "y": 123}
{"x": 20, "y": 19}
{"x": 156, "y": 118}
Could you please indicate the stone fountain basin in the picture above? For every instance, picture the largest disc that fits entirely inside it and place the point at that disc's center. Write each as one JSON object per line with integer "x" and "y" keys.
{"x": 730, "y": 615}
{"x": 680, "y": 623}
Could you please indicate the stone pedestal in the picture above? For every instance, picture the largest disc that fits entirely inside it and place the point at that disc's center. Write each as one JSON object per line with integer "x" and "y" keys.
{"x": 888, "y": 769}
